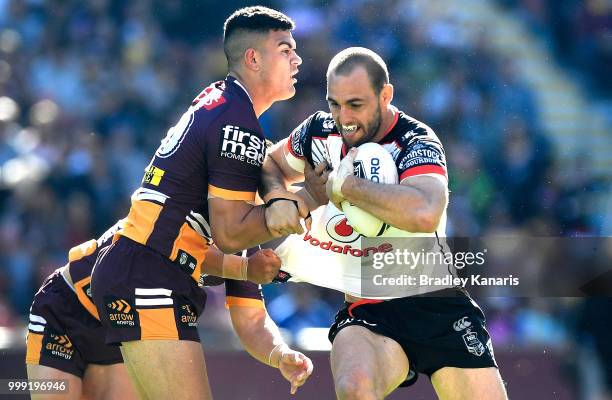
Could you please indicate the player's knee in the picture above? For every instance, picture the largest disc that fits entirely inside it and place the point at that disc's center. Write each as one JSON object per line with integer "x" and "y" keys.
{"x": 355, "y": 385}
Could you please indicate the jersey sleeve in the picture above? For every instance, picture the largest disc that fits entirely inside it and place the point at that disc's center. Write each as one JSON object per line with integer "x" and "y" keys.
{"x": 297, "y": 144}
{"x": 234, "y": 153}
{"x": 423, "y": 156}
{"x": 243, "y": 294}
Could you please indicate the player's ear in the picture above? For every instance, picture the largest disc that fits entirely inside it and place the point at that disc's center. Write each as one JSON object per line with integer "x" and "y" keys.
{"x": 386, "y": 94}
{"x": 252, "y": 59}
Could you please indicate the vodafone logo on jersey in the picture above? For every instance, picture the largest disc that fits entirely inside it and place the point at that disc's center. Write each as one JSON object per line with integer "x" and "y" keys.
{"x": 339, "y": 229}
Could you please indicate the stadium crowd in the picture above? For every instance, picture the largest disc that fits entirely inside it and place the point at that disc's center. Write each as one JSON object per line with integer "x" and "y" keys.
{"x": 89, "y": 88}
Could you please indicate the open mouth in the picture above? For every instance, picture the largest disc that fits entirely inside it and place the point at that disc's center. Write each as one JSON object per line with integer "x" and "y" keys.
{"x": 349, "y": 130}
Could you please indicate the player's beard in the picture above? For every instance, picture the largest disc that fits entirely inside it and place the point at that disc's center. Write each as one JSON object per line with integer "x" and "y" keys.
{"x": 371, "y": 129}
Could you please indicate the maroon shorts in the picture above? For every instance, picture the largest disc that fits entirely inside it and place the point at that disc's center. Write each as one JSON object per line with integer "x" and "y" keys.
{"x": 62, "y": 334}
{"x": 142, "y": 295}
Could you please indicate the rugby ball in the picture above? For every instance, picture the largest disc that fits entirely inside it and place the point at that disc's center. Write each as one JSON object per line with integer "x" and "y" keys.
{"x": 375, "y": 163}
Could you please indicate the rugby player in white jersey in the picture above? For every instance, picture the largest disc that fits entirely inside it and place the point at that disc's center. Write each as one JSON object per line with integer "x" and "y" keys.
{"x": 381, "y": 340}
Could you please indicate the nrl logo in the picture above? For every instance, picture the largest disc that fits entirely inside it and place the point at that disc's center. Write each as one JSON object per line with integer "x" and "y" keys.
{"x": 359, "y": 169}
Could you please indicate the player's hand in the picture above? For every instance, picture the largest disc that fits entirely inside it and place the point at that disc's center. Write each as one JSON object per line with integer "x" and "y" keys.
{"x": 263, "y": 266}
{"x": 284, "y": 217}
{"x": 338, "y": 176}
{"x": 295, "y": 367}
{"x": 315, "y": 180}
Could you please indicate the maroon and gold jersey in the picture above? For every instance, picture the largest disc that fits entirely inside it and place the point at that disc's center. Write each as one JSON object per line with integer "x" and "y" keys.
{"x": 216, "y": 149}
{"x": 83, "y": 257}
{"x": 81, "y": 260}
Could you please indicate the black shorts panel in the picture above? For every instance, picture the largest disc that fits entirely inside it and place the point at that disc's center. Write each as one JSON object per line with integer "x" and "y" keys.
{"x": 62, "y": 334}
{"x": 142, "y": 295}
{"x": 434, "y": 332}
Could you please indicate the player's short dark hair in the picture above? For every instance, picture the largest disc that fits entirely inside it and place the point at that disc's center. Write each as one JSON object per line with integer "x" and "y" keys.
{"x": 345, "y": 62}
{"x": 244, "y": 27}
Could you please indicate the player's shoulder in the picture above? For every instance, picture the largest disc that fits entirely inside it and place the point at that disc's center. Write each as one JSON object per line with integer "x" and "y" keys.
{"x": 318, "y": 124}
{"x": 322, "y": 124}
{"x": 409, "y": 130}
{"x": 226, "y": 100}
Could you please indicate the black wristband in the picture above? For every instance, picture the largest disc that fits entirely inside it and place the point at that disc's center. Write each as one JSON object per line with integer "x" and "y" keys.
{"x": 274, "y": 200}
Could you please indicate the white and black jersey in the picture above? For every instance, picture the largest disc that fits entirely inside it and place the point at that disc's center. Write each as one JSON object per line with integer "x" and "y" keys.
{"x": 332, "y": 253}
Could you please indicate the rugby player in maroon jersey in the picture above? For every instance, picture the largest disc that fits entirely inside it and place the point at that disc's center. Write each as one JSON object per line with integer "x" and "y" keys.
{"x": 66, "y": 339}
{"x": 199, "y": 188}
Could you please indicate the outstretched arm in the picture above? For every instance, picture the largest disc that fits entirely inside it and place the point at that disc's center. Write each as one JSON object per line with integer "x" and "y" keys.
{"x": 261, "y": 338}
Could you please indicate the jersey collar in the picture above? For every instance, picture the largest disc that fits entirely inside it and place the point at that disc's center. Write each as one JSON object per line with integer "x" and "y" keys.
{"x": 230, "y": 78}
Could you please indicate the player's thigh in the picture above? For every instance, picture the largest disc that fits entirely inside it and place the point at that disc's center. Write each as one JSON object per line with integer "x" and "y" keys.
{"x": 36, "y": 371}
{"x": 468, "y": 384}
{"x": 166, "y": 369}
{"x": 364, "y": 361}
{"x": 102, "y": 382}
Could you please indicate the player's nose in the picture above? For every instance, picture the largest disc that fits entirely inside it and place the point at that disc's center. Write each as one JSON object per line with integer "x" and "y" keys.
{"x": 297, "y": 60}
{"x": 345, "y": 116}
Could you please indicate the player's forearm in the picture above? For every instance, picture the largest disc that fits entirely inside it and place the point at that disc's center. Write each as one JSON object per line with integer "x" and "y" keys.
{"x": 224, "y": 265}
{"x": 405, "y": 207}
{"x": 272, "y": 179}
{"x": 245, "y": 232}
{"x": 308, "y": 199}
{"x": 258, "y": 334}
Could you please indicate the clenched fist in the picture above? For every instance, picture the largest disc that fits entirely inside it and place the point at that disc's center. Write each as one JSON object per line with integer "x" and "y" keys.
{"x": 263, "y": 266}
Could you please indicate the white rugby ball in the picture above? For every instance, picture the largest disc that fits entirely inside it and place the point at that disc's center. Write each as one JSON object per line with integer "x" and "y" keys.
{"x": 375, "y": 163}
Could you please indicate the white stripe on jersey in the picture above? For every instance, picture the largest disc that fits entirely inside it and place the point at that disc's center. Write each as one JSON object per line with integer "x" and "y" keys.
{"x": 38, "y": 319}
{"x": 319, "y": 151}
{"x": 195, "y": 226}
{"x": 153, "y": 292}
{"x": 149, "y": 194}
{"x": 154, "y": 302}
{"x": 36, "y": 328}
{"x": 199, "y": 224}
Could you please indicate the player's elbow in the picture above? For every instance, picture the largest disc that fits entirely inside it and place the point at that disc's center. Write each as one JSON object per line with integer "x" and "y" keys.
{"x": 428, "y": 222}
{"x": 226, "y": 243}
{"x": 228, "y": 247}
{"x": 428, "y": 219}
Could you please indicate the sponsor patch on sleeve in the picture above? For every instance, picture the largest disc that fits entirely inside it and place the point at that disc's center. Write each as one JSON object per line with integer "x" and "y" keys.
{"x": 153, "y": 175}
{"x": 422, "y": 158}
